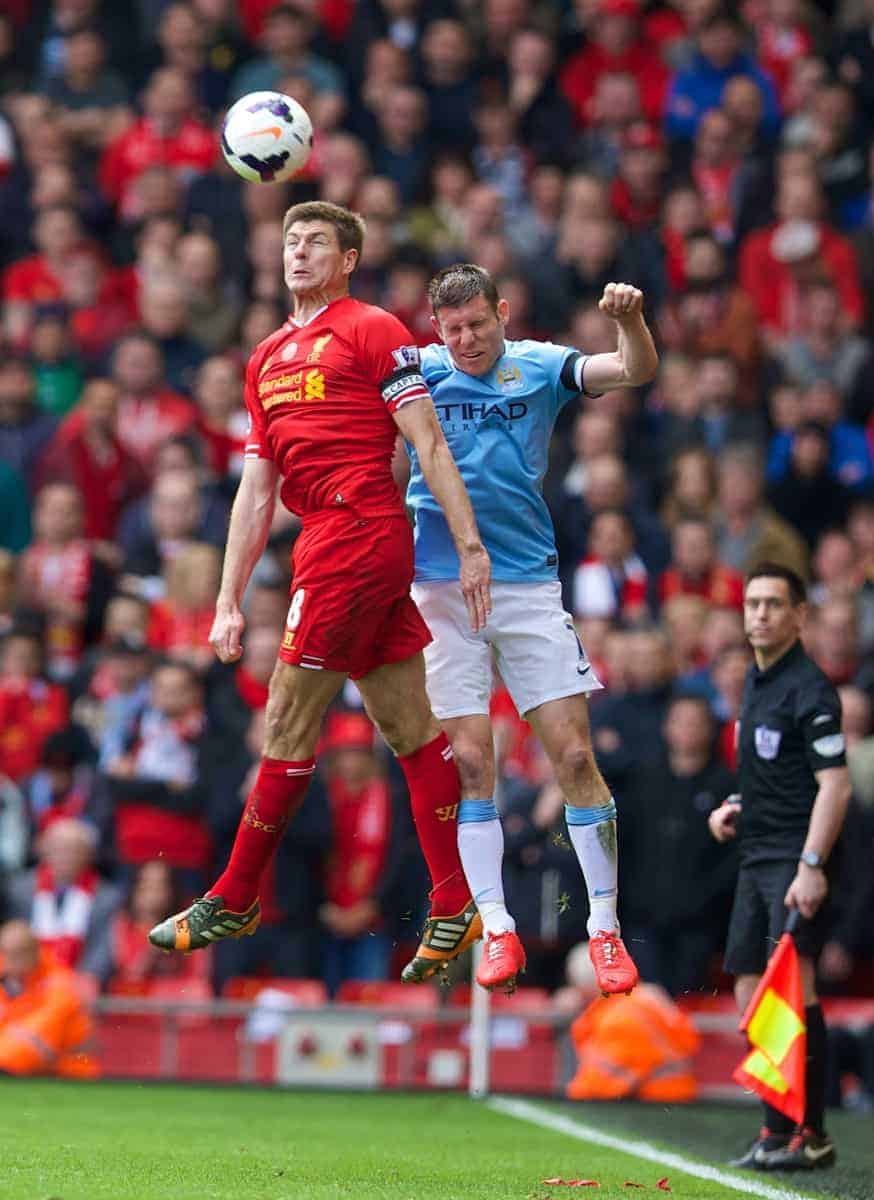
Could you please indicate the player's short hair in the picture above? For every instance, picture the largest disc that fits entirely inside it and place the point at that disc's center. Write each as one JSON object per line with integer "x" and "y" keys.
{"x": 773, "y": 570}
{"x": 350, "y": 226}
{"x": 460, "y": 282}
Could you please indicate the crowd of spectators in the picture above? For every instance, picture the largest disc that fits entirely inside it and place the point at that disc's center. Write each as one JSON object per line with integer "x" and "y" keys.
{"x": 722, "y": 160}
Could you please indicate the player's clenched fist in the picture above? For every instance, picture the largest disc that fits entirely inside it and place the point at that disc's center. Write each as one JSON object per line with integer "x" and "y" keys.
{"x": 226, "y": 632}
{"x": 621, "y": 301}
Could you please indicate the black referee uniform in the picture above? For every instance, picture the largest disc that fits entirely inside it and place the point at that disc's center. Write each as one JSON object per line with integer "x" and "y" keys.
{"x": 790, "y": 728}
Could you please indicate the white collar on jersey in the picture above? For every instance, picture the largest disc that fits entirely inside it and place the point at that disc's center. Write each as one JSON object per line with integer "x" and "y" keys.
{"x": 301, "y": 324}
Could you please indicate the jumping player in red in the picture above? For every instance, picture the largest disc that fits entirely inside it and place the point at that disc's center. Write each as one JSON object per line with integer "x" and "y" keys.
{"x": 327, "y": 394}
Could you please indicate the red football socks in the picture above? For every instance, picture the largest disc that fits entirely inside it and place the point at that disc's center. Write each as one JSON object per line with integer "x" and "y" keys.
{"x": 273, "y": 801}
{"x": 435, "y": 791}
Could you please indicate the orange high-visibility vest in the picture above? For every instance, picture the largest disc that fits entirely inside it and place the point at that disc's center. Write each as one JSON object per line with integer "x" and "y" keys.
{"x": 46, "y": 1029}
{"x": 637, "y": 1046}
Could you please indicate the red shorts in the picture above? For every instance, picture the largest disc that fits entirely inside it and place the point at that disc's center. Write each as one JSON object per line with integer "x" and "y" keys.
{"x": 351, "y": 609}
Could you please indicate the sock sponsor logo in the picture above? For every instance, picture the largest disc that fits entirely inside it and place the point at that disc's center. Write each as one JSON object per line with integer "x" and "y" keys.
{"x": 251, "y": 818}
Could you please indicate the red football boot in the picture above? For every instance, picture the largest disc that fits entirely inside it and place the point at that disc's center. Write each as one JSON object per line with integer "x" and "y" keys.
{"x": 614, "y": 967}
{"x": 503, "y": 959}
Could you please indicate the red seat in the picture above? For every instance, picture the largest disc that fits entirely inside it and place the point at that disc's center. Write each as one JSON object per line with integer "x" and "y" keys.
{"x": 180, "y": 991}
{"x": 129, "y": 1044}
{"x": 525, "y": 999}
{"x": 387, "y": 994}
{"x": 128, "y": 987}
{"x": 309, "y": 993}
{"x": 184, "y": 991}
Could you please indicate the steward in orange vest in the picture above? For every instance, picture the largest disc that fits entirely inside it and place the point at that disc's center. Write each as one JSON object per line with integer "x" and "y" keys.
{"x": 44, "y": 1025}
{"x": 634, "y": 1047}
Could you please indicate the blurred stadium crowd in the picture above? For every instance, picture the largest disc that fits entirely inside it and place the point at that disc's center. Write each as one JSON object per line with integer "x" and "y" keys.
{"x": 720, "y": 159}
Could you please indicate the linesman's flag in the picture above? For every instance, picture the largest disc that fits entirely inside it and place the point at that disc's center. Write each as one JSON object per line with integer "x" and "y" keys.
{"x": 774, "y": 1024}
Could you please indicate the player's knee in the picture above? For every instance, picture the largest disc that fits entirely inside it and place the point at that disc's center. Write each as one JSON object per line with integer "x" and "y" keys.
{"x": 473, "y": 761}
{"x": 407, "y": 731}
{"x": 576, "y": 765}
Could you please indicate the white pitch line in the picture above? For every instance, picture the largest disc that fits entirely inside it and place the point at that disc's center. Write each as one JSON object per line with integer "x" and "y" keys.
{"x": 524, "y": 1111}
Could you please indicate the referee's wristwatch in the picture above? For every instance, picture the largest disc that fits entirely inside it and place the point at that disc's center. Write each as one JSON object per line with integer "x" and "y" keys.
{"x": 811, "y": 858}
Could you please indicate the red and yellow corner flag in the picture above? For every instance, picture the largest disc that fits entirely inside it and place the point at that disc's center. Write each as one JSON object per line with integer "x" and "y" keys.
{"x": 774, "y": 1024}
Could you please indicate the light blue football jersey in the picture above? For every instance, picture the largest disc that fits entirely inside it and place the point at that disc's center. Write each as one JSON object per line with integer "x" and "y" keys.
{"x": 498, "y": 427}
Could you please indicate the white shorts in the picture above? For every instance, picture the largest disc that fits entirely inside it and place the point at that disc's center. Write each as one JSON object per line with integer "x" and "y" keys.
{"x": 531, "y": 638}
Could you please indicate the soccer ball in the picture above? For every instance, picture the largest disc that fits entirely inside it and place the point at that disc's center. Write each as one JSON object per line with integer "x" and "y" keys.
{"x": 267, "y": 137}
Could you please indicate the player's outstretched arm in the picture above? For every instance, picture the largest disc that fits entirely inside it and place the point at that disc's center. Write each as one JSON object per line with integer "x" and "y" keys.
{"x": 418, "y": 423}
{"x": 635, "y": 360}
{"x": 248, "y": 531}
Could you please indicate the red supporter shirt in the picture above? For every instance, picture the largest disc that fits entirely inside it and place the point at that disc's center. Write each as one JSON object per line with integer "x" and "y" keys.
{"x": 171, "y": 628}
{"x": 106, "y": 476}
{"x": 334, "y": 16}
{"x": 225, "y": 446}
{"x": 722, "y": 587}
{"x": 29, "y": 711}
{"x": 48, "y": 575}
{"x": 321, "y": 397}
{"x": 771, "y": 286}
{"x": 580, "y": 75}
{"x": 361, "y": 821}
{"x": 146, "y": 422}
{"x": 32, "y": 281}
{"x": 778, "y": 50}
{"x": 191, "y": 150}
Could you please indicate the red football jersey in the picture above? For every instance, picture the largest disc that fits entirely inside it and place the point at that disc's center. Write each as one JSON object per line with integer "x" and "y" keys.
{"x": 321, "y": 396}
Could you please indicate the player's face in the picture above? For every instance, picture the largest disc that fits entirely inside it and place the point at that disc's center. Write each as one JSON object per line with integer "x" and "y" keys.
{"x": 313, "y": 261}
{"x": 771, "y": 620}
{"x": 474, "y": 333}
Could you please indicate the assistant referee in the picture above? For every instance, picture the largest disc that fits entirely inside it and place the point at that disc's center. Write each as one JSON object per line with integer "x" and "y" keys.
{"x": 794, "y": 790}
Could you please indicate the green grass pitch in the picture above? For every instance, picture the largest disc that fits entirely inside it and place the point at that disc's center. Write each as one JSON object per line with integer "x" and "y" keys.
{"x": 107, "y": 1141}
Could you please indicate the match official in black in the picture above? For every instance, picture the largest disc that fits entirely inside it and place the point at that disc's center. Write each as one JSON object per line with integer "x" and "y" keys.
{"x": 794, "y": 790}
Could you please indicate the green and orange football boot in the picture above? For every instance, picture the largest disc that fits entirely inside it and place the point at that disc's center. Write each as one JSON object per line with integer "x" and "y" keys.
{"x": 443, "y": 939}
{"x": 205, "y": 922}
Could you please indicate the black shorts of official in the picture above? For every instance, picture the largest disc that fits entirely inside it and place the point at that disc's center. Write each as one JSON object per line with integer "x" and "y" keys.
{"x": 758, "y": 917}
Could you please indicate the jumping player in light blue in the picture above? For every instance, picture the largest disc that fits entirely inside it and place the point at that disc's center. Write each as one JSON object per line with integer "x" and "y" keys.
{"x": 497, "y": 401}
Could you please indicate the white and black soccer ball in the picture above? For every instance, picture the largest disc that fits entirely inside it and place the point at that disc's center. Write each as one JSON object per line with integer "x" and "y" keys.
{"x": 267, "y": 137}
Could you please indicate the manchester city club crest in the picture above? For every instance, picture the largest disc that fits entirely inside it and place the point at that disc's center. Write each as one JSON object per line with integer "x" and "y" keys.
{"x": 767, "y": 742}
{"x": 509, "y": 378}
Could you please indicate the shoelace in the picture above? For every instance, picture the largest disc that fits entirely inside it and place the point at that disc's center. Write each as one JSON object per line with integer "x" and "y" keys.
{"x": 494, "y": 948}
{"x": 608, "y": 949}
